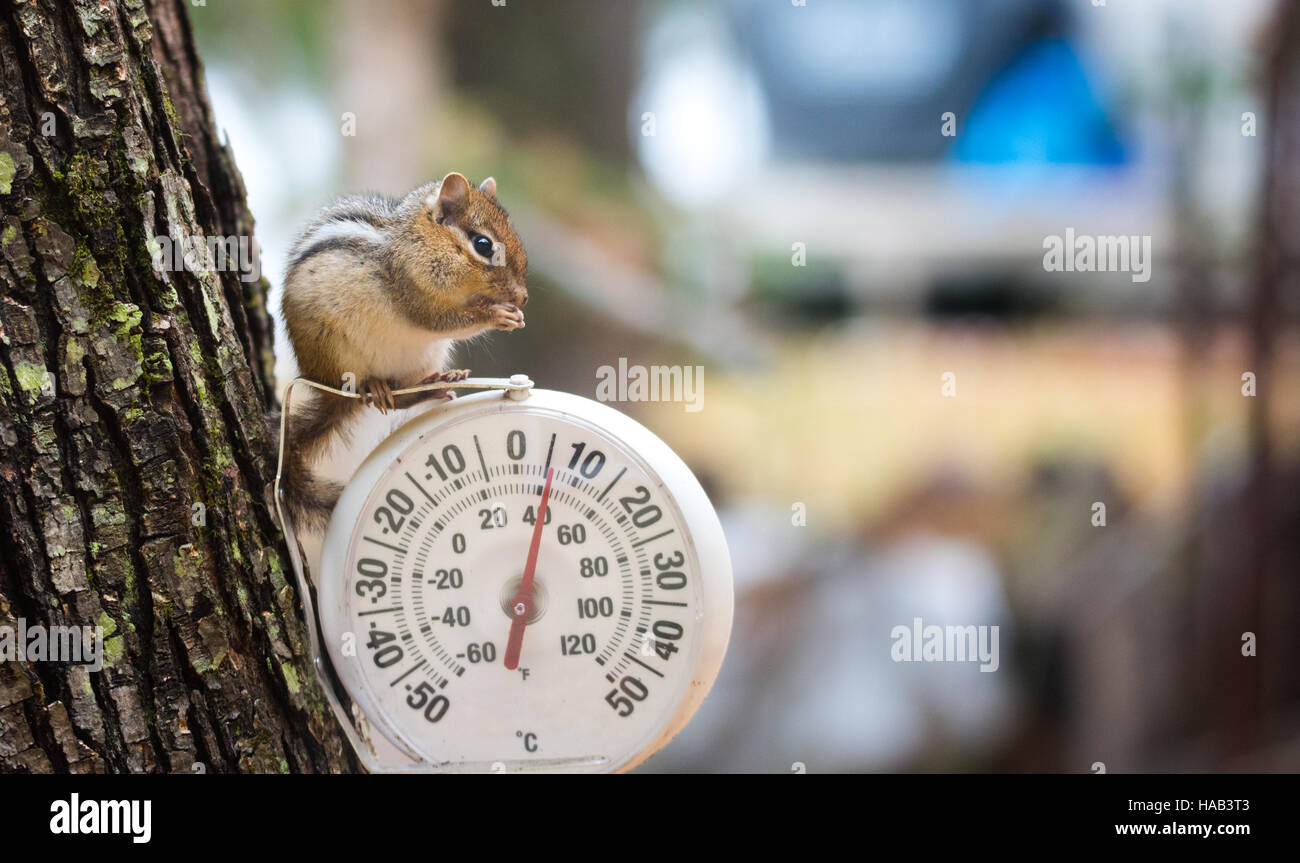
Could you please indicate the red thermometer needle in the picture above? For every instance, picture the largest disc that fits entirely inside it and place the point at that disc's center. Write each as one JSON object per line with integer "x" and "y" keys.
{"x": 522, "y": 605}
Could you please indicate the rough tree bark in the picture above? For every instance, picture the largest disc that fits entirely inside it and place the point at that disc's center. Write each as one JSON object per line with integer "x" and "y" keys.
{"x": 128, "y": 394}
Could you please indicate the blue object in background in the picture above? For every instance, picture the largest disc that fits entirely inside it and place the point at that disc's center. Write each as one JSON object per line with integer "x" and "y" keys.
{"x": 1040, "y": 109}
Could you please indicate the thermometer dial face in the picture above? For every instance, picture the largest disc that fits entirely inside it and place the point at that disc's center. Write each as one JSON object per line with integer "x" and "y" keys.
{"x": 423, "y": 588}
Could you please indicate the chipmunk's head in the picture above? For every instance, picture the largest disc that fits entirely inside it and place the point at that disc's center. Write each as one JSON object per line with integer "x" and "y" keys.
{"x": 478, "y": 249}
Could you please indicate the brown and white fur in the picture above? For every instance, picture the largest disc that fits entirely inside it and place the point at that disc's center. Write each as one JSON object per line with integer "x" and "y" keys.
{"x": 381, "y": 289}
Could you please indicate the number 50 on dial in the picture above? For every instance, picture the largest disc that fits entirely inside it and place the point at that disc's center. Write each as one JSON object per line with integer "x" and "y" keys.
{"x": 532, "y": 584}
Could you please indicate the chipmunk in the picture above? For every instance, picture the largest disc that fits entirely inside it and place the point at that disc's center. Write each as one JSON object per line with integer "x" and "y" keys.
{"x": 382, "y": 288}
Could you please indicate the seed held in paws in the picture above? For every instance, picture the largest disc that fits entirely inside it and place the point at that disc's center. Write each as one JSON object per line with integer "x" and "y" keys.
{"x": 507, "y": 316}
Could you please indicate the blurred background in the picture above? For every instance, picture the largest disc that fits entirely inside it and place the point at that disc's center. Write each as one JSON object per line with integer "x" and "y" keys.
{"x": 829, "y": 207}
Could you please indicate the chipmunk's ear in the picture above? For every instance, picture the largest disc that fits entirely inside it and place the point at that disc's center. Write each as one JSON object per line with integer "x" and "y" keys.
{"x": 452, "y": 192}
{"x": 488, "y": 187}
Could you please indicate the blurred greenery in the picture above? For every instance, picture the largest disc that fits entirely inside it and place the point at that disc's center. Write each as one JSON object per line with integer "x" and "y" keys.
{"x": 273, "y": 40}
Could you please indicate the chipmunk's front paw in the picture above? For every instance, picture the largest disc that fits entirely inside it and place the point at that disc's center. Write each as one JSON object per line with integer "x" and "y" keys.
{"x": 506, "y": 316}
{"x": 379, "y": 393}
{"x": 442, "y": 378}
{"x": 447, "y": 377}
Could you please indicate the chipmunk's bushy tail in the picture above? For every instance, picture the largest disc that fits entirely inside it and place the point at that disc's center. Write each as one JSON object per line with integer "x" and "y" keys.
{"x": 309, "y": 500}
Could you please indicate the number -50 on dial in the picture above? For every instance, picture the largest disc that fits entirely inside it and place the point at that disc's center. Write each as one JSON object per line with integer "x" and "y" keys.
{"x": 533, "y": 584}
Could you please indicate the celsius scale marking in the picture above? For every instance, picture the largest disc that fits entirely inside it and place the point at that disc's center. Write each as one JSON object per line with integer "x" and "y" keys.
{"x": 519, "y": 580}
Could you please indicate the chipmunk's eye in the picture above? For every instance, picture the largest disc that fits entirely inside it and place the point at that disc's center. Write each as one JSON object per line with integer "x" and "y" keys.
{"x": 482, "y": 245}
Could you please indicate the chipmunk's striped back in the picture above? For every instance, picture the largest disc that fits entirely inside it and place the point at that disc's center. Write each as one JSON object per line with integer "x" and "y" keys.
{"x": 350, "y": 223}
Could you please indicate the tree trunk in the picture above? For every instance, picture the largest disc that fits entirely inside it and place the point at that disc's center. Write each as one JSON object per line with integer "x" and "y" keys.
{"x": 136, "y": 402}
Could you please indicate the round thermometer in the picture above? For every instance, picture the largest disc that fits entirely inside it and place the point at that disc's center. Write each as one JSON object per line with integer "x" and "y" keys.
{"x": 525, "y": 581}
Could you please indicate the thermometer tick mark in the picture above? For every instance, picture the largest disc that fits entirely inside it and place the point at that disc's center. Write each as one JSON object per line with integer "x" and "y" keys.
{"x": 421, "y": 488}
{"x": 653, "y": 671}
{"x": 641, "y": 542}
{"x": 385, "y": 544}
{"x": 611, "y": 484}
